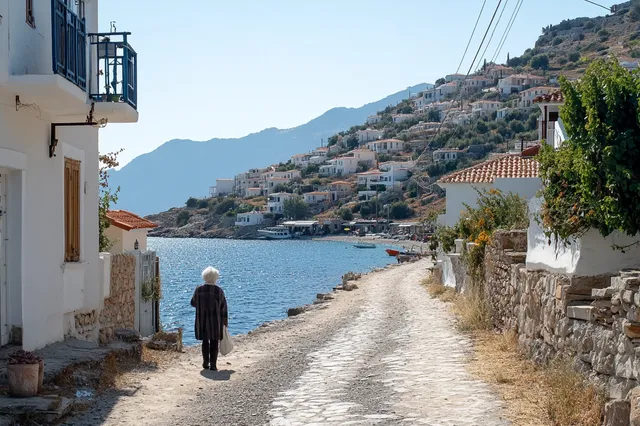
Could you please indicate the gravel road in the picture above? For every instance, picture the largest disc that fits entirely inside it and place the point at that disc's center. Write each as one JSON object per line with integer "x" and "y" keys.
{"x": 383, "y": 354}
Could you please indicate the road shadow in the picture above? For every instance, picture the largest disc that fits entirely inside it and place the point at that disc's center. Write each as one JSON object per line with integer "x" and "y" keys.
{"x": 220, "y": 375}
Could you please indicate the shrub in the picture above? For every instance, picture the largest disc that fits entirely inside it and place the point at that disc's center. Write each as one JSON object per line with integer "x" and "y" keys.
{"x": 603, "y": 32}
{"x": 589, "y": 25}
{"x": 224, "y": 206}
{"x": 400, "y": 210}
{"x": 562, "y": 61}
{"x": 192, "y": 203}
{"x": 574, "y": 56}
{"x": 203, "y": 204}
{"x": 183, "y": 218}
{"x": 540, "y": 62}
{"x": 345, "y": 214}
{"x": 635, "y": 53}
{"x": 557, "y": 41}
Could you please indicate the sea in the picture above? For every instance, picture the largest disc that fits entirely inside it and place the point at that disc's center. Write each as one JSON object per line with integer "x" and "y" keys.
{"x": 261, "y": 279}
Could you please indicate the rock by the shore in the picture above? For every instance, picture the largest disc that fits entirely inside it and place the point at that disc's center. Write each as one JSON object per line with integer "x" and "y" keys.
{"x": 349, "y": 286}
{"x": 292, "y": 312}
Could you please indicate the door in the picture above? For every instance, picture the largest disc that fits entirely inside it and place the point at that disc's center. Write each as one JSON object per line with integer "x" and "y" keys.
{"x": 4, "y": 330}
{"x": 147, "y": 312}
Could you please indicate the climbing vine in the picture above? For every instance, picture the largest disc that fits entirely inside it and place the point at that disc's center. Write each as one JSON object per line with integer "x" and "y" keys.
{"x": 593, "y": 180}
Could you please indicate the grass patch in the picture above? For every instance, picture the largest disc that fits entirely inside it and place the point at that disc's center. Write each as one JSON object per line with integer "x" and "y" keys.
{"x": 572, "y": 399}
{"x": 473, "y": 311}
{"x": 438, "y": 290}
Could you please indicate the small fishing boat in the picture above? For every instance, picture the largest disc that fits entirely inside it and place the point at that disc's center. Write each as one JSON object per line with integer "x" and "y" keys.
{"x": 364, "y": 245}
{"x": 275, "y": 233}
{"x": 392, "y": 252}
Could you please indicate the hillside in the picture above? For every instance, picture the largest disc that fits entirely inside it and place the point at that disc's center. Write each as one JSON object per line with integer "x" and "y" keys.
{"x": 178, "y": 169}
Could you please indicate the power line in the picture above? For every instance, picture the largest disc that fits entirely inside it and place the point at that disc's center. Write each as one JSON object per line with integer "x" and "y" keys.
{"x": 444, "y": 119}
{"x": 598, "y": 4}
{"x": 494, "y": 29}
{"x": 507, "y": 31}
{"x": 471, "y": 38}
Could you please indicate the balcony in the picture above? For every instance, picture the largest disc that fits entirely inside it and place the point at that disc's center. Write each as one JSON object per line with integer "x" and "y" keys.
{"x": 69, "y": 44}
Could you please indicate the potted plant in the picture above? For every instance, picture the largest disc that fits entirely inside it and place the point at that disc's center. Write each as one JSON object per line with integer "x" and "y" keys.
{"x": 24, "y": 373}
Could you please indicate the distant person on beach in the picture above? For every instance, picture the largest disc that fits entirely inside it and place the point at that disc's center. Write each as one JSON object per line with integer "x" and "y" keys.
{"x": 211, "y": 316}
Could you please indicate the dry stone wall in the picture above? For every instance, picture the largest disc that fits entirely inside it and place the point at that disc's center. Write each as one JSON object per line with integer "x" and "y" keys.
{"x": 594, "y": 320}
{"x": 119, "y": 307}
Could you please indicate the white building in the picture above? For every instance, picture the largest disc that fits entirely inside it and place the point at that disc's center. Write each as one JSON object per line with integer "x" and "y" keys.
{"x": 498, "y": 71}
{"x": 374, "y": 119}
{"x": 223, "y": 187}
{"x": 127, "y": 231}
{"x": 476, "y": 83}
{"x": 363, "y": 155}
{"x": 629, "y": 63}
{"x": 339, "y": 189}
{"x": 316, "y": 197}
{"x": 275, "y": 202}
{"x": 399, "y": 118}
{"x": 424, "y": 126}
{"x": 508, "y": 173}
{"x": 517, "y": 82}
{"x": 454, "y": 77}
{"x": 50, "y": 111}
{"x": 386, "y": 146}
{"x": 250, "y": 218}
{"x": 550, "y": 120}
{"x": 367, "y": 135}
{"x": 485, "y": 107}
{"x": 501, "y": 114}
{"x": 527, "y": 96}
{"x": 445, "y": 155}
{"x": 301, "y": 160}
{"x": 249, "y": 179}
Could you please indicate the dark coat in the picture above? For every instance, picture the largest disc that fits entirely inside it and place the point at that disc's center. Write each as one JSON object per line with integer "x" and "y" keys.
{"x": 211, "y": 312}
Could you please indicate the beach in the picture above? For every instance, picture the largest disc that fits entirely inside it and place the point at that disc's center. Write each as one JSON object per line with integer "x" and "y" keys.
{"x": 383, "y": 353}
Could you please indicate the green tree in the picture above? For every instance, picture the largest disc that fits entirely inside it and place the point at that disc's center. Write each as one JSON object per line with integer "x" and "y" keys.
{"x": 345, "y": 214}
{"x": 440, "y": 81}
{"x": 107, "y": 197}
{"x": 540, "y": 62}
{"x": 203, "y": 204}
{"x": 400, "y": 210}
{"x": 574, "y": 56}
{"x": 332, "y": 140}
{"x": 183, "y": 218}
{"x": 352, "y": 141}
{"x": 311, "y": 169}
{"x": 296, "y": 209}
{"x": 433, "y": 115}
{"x": 225, "y": 206}
{"x": 593, "y": 180}
{"x": 192, "y": 203}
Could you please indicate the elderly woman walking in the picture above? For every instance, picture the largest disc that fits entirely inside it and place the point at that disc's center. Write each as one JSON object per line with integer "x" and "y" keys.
{"x": 211, "y": 316}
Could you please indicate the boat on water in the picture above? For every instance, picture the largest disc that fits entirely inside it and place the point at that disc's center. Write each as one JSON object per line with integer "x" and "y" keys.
{"x": 275, "y": 233}
{"x": 396, "y": 253}
{"x": 364, "y": 245}
{"x": 392, "y": 252}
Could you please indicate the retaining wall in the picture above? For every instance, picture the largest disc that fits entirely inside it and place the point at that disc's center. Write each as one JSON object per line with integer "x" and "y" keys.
{"x": 119, "y": 308}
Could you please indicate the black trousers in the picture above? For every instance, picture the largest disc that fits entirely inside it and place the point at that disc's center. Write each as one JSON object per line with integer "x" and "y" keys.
{"x": 210, "y": 352}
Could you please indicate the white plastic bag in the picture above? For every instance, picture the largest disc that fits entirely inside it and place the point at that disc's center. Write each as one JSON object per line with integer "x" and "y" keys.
{"x": 226, "y": 345}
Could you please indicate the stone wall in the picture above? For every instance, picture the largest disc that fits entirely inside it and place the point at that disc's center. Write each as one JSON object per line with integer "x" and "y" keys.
{"x": 594, "y": 320}
{"x": 86, "y": 324}
{"x": 119, "y": 308}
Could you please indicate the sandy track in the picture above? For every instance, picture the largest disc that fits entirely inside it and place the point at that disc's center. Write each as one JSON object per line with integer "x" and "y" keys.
{"x": 383, "y": 354}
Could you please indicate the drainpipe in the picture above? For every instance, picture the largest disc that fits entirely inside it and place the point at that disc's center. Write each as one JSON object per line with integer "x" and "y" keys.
{"x": 544, "y": 124}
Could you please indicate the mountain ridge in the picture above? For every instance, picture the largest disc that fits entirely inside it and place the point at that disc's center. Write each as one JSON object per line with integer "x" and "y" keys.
{"x": 181, "y": 168}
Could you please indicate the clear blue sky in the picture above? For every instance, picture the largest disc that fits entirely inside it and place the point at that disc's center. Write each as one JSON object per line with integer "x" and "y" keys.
{"x": 227, "y": 68}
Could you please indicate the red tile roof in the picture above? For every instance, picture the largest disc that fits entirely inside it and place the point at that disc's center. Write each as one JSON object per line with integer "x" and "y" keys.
{"x": 553, "y": 97}
{"x": 506, "y": 166}
{"x": 126, "y": 220}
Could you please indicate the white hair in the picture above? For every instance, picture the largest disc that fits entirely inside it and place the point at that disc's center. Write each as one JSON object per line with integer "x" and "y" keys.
{"x": 210, "y": 275}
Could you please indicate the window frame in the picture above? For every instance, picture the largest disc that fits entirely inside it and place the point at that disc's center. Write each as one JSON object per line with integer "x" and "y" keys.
{"x": 29, "y": 14}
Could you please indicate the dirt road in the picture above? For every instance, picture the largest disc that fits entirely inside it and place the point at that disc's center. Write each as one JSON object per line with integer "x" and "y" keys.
{"x": 384, "y": 354}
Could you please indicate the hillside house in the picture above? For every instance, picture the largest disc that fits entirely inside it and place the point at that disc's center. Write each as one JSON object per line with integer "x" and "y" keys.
{"x": 501, "y": 114}
{"x": 445, "y": 155}
{"x": 497, "y": 72}
{"x": 423, "y": 127}
{"x": 316, "y": 197}
{"x": 301, "y": 160}
{"x": 340, "y": 166}
{"x": 527, "y": 96}
{"x": 50, "y": 268}
{"x": 222, "y": 187}
{"x": 363, "y": 155}
{"x": 127, "y": 231}
{"x": 386, "y": 146}
{"x": 374, "y": 119}
{"x": 249, "y": 179}
{"x": 508, "y": 173}
{"x": 399, "y": 118}
{"x": 253, "y": 192}
{"x": 485, "y": 107}
{"x": 476, "y": 83}
{"x": 451, "y": 78}
{"x": 518, "y": 82}
{"x": 322, "y": 151}
{"x": 275, "y": 202}
{"x": 249, "y": 219}
{"x": 446, "y": 90}
{"x": 388, "y": 165}
{"x": 339, "y": 189}
{"x": 271, "y": 184}
{"x": 286, "y": 175}
{"x": 368, "y": 135}
{"x": 630, "y": 64}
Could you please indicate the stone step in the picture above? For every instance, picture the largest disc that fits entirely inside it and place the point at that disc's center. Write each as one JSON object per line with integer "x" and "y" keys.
{"x": 48, "y": 408}
{"x": 584, "y": 313}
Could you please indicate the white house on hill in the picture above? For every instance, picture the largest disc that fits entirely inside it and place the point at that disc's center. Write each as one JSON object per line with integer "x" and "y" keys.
{"x": 250, "y": 218}
{"x": 51, "y": 107}
{"x": 367, "y": 135}
{"x": 275, "y": 203}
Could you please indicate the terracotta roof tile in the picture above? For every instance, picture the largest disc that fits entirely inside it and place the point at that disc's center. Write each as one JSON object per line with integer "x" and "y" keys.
{"x": 507, "y": 166}
{"x": 553, "y": 97}
{"x": 126, "y": 220}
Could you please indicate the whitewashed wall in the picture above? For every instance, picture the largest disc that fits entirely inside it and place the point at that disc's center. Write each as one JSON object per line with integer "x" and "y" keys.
{"x": 587, "y": 256}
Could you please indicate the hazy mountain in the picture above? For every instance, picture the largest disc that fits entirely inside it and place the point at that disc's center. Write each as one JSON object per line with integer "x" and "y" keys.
{"x": 179, "y": 169}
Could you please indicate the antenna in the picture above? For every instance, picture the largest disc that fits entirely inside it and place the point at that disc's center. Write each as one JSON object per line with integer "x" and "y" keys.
{"x": 112, "y": 24}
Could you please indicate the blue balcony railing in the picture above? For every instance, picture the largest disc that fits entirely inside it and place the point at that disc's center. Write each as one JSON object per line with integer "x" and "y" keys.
{"x": 69, "y": 44}
{"x": 117, "y": 73}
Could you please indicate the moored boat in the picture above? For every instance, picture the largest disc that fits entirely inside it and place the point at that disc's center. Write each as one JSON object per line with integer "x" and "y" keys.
{"x": 275, "y": 233}
{"x": 392, "y": 252}
{"x": 364, "y": 245}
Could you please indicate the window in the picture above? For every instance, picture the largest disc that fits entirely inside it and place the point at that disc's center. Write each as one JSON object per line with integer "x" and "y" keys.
{"x": 71, "y": 210}
{"x": 31, "y": 20}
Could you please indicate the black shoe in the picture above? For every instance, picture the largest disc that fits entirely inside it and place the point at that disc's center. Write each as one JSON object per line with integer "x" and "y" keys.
{"x": 205, "y": 365}
{"x": 213, "y": 368}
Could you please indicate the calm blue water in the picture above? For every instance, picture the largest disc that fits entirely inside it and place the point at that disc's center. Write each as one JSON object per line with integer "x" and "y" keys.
{"x": 261, "y": 279}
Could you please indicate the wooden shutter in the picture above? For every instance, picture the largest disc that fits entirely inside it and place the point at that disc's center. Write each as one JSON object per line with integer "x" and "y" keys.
{"x": 71, "y": 210}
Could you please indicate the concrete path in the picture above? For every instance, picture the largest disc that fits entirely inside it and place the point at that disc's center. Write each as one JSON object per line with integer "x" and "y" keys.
{"x": 384, "y": 354}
